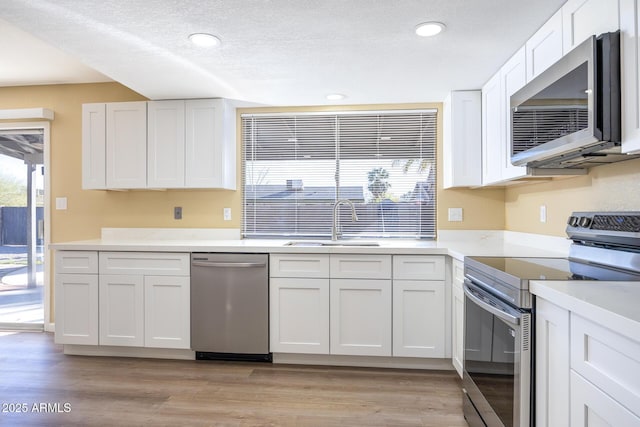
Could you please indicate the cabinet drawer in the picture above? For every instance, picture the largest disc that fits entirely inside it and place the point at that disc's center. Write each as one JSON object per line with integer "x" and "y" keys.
{"x": 417, "y": 267}
{"x": 76, "y": 262}
{"x": 299, "y": 265}
{"x": 607, "y": 359}
{"x": 145, "y": 263}
{"x": 361, "y": 266}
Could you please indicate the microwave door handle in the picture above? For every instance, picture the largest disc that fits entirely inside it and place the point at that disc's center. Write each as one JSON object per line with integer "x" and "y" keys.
{"x": 513, "y": 320}
{"x": 597, "y": 87}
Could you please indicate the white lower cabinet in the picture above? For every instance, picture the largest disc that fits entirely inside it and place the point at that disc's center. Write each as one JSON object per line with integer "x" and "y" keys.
{"x": 552, "y": 365}
{"x": 360, "y": 317}
{"x": 299, "y": 315}
{"x": 121, "y": 310}
{"x": 418, "y": 318}
{"x": 167, "y": 311}
{"x": 132, "y": 299}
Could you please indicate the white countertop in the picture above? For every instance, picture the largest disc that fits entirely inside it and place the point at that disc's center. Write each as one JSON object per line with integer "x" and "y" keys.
{"x": 615, "y": 305}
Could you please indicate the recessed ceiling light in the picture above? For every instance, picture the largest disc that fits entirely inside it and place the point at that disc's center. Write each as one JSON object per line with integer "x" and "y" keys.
{"x": 428, "y": 29}
{"x": 204, "y": 40}
{"x": 335, "y": 96}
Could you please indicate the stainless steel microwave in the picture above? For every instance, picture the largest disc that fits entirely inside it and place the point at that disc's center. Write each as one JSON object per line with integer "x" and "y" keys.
{"x": 569, "y": 115}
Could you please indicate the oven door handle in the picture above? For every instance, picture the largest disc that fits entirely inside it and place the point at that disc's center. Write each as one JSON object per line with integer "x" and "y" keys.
{"x": 509, "y": 318}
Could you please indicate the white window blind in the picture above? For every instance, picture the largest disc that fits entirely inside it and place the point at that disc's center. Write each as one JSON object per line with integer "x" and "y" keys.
{"x": 296, "y": 166}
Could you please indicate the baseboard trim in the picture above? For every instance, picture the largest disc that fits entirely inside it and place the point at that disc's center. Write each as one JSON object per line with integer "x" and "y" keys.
{"x": 114, "y": 351}
{"x": 363, "y": 361}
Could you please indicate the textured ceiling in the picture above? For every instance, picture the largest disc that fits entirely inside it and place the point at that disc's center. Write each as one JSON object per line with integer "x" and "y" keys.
{"x": 282, "y": 52}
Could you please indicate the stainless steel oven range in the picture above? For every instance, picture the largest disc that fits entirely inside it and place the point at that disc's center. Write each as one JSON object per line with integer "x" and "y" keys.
{"x": 499, "y": 336}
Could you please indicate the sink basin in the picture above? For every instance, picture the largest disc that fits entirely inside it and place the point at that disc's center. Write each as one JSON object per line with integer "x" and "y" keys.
{"x": 330, "y": 243}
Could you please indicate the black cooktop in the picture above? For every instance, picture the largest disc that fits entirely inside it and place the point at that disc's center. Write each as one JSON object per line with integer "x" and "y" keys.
{"x": 526, "y": 268}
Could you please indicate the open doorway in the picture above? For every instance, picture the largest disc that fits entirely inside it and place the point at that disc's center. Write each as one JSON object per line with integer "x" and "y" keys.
{"x": 23, "y": 290}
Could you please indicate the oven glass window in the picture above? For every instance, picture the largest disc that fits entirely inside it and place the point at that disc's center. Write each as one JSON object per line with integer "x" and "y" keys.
{"x": 489, "y": 359}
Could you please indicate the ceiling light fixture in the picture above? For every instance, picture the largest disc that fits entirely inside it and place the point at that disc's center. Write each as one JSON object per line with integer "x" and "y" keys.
{"x": 204, "y": 40}
{"x": 429, "y": 29}
{"x": 335, "y": 96}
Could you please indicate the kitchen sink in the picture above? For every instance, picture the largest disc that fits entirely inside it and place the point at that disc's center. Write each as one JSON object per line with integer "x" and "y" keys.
{"x": 331, "y": 243}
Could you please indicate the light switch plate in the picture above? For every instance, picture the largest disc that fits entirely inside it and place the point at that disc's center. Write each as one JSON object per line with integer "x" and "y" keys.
{"x": 455, "y": 214}
{"x": 61, "y": 203}
{"x": 227, "y": 214}
{"x": 543, "y": 213}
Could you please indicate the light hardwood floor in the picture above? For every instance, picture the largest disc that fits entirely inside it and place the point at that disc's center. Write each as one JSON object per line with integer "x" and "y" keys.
{"x": 136, "y": 392}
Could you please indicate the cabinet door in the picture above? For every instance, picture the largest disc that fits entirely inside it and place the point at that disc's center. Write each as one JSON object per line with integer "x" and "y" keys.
{"x": 165, "y": 144}
{"x": 630, "y": 73}
{"x": 583, "y": 18}
{"x": 591, "y": 407}
{"x": 121, "y": 310}
{"x": 545, "y": 46}
{"x": 94, "y": 140}
{"x": 167, "y": 312}
{"x": 514, "y": 77}
{"x": 492, "y": 131}
{"x": 210, "y": 145}
{"x": 126, "y": 145}
{"x": 457, "y": 317}
{"x": 76, "y": 305}
{"x": 360, "y": 317}
{"x": 462, "y": 139}
{"x": 552, "y": 365}
{"x": 418, "y": 318}
{"x": 299, "y": 315}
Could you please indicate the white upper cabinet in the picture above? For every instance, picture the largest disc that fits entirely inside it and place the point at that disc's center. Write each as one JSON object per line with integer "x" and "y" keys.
{"x": 159, "y": 144}
{"x": 584, "y": 18}
{"x": 165, "y": 142}
{"x": 462, "y": 139}
{"x": 513, "y": 75}
{"x": 630, "y": 41}
{"x": 94, "y": 140}
{"x": 493, "y": 150}
{"x": 210, "y": 144}
{"x": 126, "y": 130}
{"x": 545, "y": 46}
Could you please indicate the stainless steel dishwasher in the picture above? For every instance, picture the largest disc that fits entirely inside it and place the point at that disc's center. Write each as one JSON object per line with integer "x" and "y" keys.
{"x": 230, "y": 306}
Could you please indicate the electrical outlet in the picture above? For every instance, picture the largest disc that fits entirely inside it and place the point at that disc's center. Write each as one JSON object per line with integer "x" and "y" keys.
{"x": 227, "y": 214}
{"x": 455, "y": 214}
{"x": 61, "y": 203}
{"x": 543, "y": 213}
{"x": 177, "y": 212}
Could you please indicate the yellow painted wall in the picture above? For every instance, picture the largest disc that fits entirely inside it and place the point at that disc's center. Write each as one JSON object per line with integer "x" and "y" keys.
{"x": 610, "y": 187}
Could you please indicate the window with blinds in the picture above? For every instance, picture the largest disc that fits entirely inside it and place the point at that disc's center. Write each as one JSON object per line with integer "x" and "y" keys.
{"x": 297, "y": 166}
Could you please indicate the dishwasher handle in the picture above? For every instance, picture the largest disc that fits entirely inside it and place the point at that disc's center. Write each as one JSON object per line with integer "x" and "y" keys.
{"x": 215, "y": 264}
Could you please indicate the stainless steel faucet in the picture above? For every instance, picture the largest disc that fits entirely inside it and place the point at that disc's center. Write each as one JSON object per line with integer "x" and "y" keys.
{"x": 336, "y": 218}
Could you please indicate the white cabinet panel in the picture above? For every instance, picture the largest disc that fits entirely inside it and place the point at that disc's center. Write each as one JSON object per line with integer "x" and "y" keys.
{"x": 361, "y": 266}
{"x": 121, "y": 310}
{"x": 126, "y": 128}
{"x": 76, "y": 262}
{"x": 299, "y": 315}
{"x": 583, "y": 18}
{"x": 545, "y": 46}
{"x": 591, "y": 407}
{"x": 145, "y": 263}
{"x": 630, "y": 73}
{"x": 552, "y": 365}
{"x": 94, "y": 148}
{"x": 210, "y": 144}
{"x": 166, "y": 144}
{"x": 493, "y": 121}
{"x": 514, "y": 77}
{"x": 360, "y": 318}
{"x": 418, "y": 318}
{"x": 607, "y": 359}
{"x": 462, "y": 139}
{"x": 457, "y": 316}
{"x": 418, "y": 267}
{"x": 167, "y": 312}
{"x": 76, "y": 304}
{"x": 299, "y": 265}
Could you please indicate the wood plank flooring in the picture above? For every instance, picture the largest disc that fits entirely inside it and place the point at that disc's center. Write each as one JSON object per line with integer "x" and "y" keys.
{"x": 100, "y": 391}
